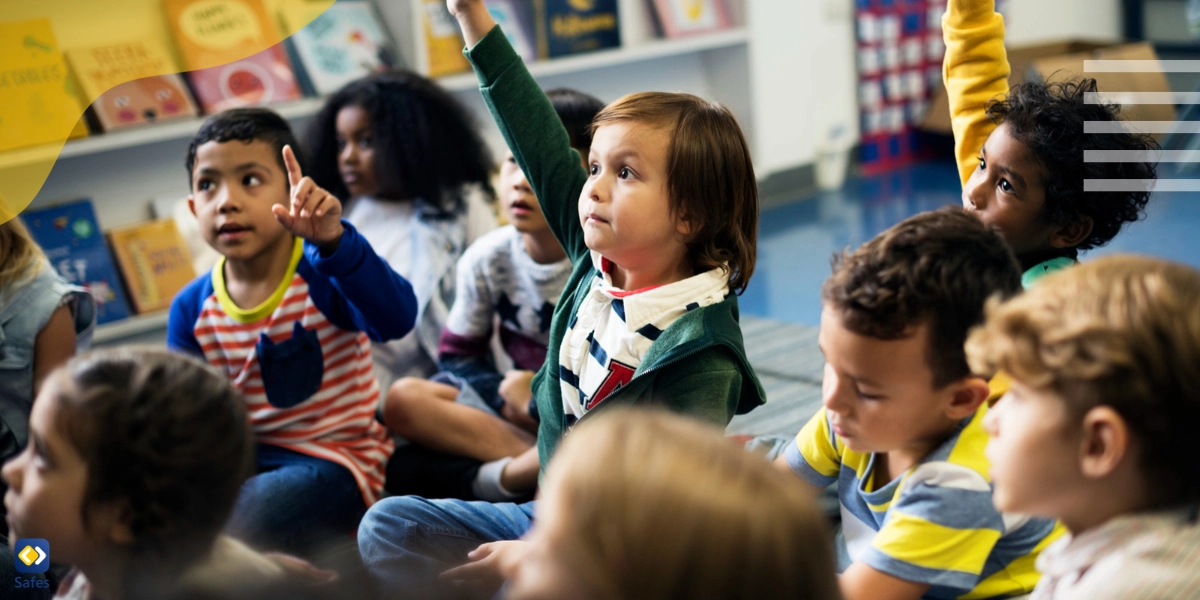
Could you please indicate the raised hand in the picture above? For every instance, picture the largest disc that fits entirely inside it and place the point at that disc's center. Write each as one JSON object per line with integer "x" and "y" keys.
{"x": 473, "y": 18}
{"x": 314, "y": 214}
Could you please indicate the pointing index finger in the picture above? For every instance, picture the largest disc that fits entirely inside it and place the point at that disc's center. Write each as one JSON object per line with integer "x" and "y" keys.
{"x": 293, "y": 166}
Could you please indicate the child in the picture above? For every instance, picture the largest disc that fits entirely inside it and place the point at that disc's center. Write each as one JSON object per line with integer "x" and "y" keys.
{"x": 1020, "y": 152}
{"x": 408, "y": 159}
{"x": 517, "y": 273}
{"x": 1098, "y": 427}
{"x": 133, "y": 465}
{"x": 287, "y": 314}
{"x": 726, "y": 525}
{"x": 900, "y": 429}
{"x": 661, "y": 230}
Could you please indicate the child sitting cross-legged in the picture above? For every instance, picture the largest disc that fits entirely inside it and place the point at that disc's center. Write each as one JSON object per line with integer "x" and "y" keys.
{"x": 901, "y": 428}
{"x": 1098, "y": 426}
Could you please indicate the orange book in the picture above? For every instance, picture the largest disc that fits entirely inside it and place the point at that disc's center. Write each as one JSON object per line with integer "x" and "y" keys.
{"x": 217, "y": 32}
{"x": 155, "y": 263}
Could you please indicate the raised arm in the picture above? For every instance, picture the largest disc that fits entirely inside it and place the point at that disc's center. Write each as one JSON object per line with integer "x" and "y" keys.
{"x": 975, "y": 71}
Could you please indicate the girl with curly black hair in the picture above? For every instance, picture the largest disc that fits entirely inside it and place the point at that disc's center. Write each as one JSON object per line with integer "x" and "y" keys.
{"x": 410, "y": 163}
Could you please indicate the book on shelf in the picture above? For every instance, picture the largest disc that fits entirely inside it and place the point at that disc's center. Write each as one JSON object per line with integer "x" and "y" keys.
{"x": 210, "y": 33}
{"x": 440, "y": 49}
{"x": 517, "y": 19}
{"x": 38, "y": 98}
{"x": 258, "y": 80}
{"x": 567, "y": 27}
{"x": 132, "y": 83}
{"x": 342, "y": 44}
{"x": 70, "y": 236}
{"x": 204, "y": 257}
{"x": 154, "y": 261}
{"x": 679, "y": 18}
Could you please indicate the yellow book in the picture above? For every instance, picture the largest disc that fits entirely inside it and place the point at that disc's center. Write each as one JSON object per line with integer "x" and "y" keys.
{"x": 155, "y": 263}
{"x": 217, "y": 32}
{"x": 443, "y": 47}
{"x": 37, "y": 104}
{"x": 101, "y": 68}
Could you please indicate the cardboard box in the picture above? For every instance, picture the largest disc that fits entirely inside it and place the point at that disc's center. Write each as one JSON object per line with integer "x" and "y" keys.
{"x": 1064, "y": 60}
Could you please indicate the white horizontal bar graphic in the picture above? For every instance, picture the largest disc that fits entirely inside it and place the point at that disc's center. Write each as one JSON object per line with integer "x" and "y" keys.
{"x": 1141, "y": 66}
{"x": 1141, "y": 97}
{"x": 1141, "y": 185}
{"x": 1116, "y": 156}
{"x": 1141, "y": 126}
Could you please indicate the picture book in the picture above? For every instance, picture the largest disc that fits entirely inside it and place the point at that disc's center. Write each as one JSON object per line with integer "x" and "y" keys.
{"x": 516, "y": 19}
{"x": 154, "y": 261}
{"x": 573, "y": 26}
{"x": 441, "y": 52}
{"x": 261, "y": 79}
{"x": 210, "y": 33}
{"x": 679, "y": 18}
{"x": 344, "y": 43}
{"x": 37, "y": 97}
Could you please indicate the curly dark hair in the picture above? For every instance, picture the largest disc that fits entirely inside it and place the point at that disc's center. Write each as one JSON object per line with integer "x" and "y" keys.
{"x": 166, "y": 436}
{"x": 938, "y": 267}
{"x": 1049, "y": 120}
{"x": 246, "y": 125}
{"x": 426, "y": 143}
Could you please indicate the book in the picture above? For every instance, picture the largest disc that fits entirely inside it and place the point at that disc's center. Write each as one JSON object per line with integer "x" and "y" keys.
{"x": 131, "y": 83}
{"x": 155, "y": 263}
{"x": 144, "y": 101}
{"x": 568, "y": 27}
{"x": 204, "y": 257}
{"x": 441, "y": 52}
{"x": 38, "y": 102}
{"x": 516, "y": 19}
{"x": 210, "y": 33}
{"x": 70, "y": 236}
{"x": 261, "y": 79}
{"x": 678, "y": 18}
{"x": 344, "y": 43}
{"x": 100, "y": 68}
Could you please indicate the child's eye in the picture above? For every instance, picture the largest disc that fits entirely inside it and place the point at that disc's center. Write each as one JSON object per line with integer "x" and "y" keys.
{"x": 1006, "y": 186}
{"x": 251, "y": 180}
{"x": 625, "y": 173}
{"x": 365, "y": 141}
{"x": 594, "y": 169}
{"x": 512, "y": 160}
{"x": 866, "y": 396}
{"x": 204, "y": 185}
{"x": 982, "y": 164}
{"x": 341, "y": 144}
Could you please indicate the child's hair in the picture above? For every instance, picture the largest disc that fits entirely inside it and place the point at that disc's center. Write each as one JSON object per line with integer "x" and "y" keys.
{"x": 246, "y": 125}
{"x": 164, "y": 435}
{"x": 576, "y": 110}
{"x": 425, "y": 142}
{"x": 710, "y": 178}
{"x": 1049, "y": 119}
{"x": 937, "y": 268}
{"x": 20, "y": 255}
{"x": 663, "y": 507}
{"x": 1120, "y": 331}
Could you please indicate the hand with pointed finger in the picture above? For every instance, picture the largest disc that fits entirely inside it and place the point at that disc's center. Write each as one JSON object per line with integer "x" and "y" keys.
{"x": 315, "y": 214}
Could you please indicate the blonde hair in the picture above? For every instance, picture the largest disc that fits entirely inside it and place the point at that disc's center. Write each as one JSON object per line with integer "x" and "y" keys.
{"x": 20, "y": 255}
{"x": 1120, "y": 331}
{"x": 672, "y": 510}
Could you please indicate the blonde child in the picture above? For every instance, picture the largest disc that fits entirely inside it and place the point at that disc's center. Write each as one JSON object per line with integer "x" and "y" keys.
{"x": 660, "y": 228}
{"x": 1098, "y": 426}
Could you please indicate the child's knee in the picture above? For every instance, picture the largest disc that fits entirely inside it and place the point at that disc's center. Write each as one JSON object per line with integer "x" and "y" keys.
{"x": 400, "y": 406}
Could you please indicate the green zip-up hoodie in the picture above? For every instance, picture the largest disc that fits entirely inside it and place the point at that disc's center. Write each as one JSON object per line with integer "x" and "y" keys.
{"x": 698, "y": 365}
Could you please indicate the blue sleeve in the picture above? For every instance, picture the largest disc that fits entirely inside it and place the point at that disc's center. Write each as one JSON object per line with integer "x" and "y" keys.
{"x": 357, "y": 290}
{"x": 185, "y": 310}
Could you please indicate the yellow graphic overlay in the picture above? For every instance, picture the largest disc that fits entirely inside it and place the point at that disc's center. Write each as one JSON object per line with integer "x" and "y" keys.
{"x": 42, "y": 100}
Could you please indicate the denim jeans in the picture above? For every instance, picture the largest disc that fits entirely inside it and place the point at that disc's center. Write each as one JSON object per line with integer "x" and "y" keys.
{"x": 296, "y": 502}
{"x": 407, "y": 541}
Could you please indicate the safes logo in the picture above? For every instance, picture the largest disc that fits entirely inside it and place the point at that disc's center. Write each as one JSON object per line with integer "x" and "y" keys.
{"x": 32, "y": 556}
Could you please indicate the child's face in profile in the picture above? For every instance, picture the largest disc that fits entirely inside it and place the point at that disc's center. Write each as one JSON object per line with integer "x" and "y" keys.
{"x": 1008, "y": 191}
{"x": 624, "y": 207}
{"x": 234, "y": 185}
{"x": 520, "y": 206}
{"x": 879, "y": 393}
{"x": 356, "y": 151}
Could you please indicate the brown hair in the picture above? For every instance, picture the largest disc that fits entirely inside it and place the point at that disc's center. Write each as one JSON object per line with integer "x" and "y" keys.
{"x": 710, "y": 178}
{"x": 667, "y": 508}
{"x": 164, "y": 435}
{"x": 938, "y": 267}
{"x": 1120, "y": 331}
{"x": 20, "y": 255}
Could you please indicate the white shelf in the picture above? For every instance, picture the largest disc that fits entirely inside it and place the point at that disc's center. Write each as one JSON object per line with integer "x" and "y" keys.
{"x": 306, "y": 107}
{"x": 129, "y": 327}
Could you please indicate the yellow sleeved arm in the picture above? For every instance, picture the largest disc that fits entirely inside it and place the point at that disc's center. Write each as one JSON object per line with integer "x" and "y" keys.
{"x": 975, "y": 71}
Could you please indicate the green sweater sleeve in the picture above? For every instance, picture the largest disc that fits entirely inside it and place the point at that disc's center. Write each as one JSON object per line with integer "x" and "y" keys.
{"x": 535, "y": 135}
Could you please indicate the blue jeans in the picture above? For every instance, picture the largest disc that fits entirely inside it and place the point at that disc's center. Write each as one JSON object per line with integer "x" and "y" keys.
{"x": 407, "y": 541}
{"x": 296, "y": 502}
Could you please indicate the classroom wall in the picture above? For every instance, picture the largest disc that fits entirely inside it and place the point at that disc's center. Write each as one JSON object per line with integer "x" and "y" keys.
{"x": 1032, "y": 21}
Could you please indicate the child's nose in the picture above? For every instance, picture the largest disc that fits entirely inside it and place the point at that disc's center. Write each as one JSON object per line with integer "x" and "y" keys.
{"x": 228, "y": 201}
{"x": 974, "y": 194}
{"x": 11, "y": 473}
{"x": 349, "y": 154}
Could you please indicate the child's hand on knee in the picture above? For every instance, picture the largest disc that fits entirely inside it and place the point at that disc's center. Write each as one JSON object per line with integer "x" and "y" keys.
{"x": 517, "y": 391}
{"x": 490, "y": 565}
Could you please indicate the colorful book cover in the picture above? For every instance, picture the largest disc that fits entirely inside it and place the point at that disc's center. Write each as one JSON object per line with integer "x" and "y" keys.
{"x": 155, "y": 261}
{"x": 143, "y": 101}
{"x": 37, "y": 96}
{"x": 680, "y": 18}
{"x": 443, "y": 47}
{"x": 100, "y": 68}
{"x": 344, "y": 43}
{"x": 216, "y": 32}
{"x": 71, "y": 238}
{"x": 516, "y": 20}
{"x": 573, "y": 26}
{"x": 264, "y": 78}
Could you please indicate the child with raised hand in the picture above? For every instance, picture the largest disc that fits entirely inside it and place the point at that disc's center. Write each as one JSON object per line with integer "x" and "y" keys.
{"x": 1098, "y": 426}
{"x": 901, "y": 427}
{"x": 661, "y": 229}
{"x": 515, "y": 273}
{"x": 415, "y": 173}
{"x": 288, "y": 313}
{"x": 1020, "y": 152}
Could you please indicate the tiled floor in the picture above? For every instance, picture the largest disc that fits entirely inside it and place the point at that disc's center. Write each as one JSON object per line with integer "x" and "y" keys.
{"x": 797, "y": 240}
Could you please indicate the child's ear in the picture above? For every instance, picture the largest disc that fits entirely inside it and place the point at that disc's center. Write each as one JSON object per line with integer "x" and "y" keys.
{"x": 112, "y": 521}
{"x": 968, "y": 395}
{"x": 192, "y": 204}
{"x": 1105, "y": 442}
{"x": 1072, "y": 234}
